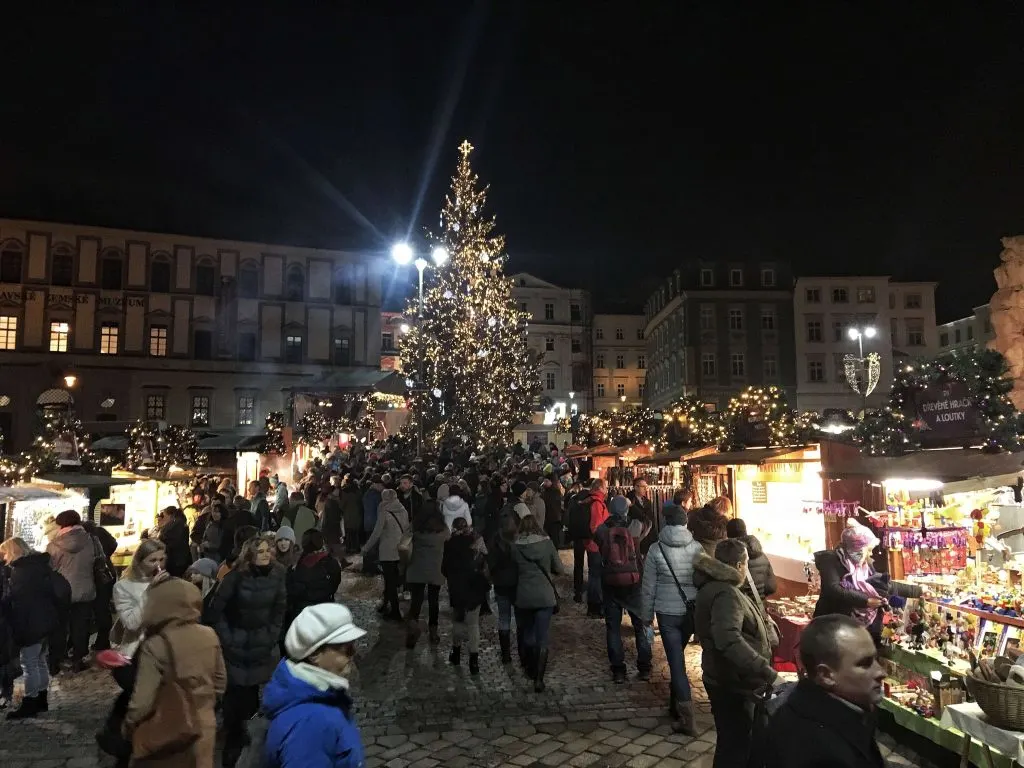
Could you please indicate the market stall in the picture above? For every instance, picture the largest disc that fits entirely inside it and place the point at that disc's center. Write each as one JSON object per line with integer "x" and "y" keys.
{"x": 24, "y": 508}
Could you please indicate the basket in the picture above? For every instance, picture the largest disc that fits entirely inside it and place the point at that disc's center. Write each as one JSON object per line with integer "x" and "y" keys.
{"x": 1003, "y": 704}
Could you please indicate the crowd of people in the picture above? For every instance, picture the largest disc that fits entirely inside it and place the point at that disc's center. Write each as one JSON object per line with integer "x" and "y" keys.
{"x": 235, "y": 597}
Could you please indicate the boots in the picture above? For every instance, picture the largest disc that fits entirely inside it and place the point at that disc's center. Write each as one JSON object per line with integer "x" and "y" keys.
{"x": 685, "y": 724}
{"x": 455, "y": 657}
{"x": 530, "y": 667}
{"x": 29, "y": 708}
{"x": 412, "y": 634}
{"x": 505, "y": 641}
{"x": 474, "y": 663}
{"x": 542, "y": 665}
{"x": 673, "y": 705}
{"x": 43, "y": 701}
{"x": 521, "y": 647}
{"x": 435, "y": 638}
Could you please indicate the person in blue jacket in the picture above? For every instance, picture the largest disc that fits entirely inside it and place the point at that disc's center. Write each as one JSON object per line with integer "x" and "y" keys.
{"x": 307, "y": 700}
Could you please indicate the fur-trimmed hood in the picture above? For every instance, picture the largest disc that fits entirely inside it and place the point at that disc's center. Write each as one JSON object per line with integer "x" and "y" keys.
{"x": 707, "y": 569}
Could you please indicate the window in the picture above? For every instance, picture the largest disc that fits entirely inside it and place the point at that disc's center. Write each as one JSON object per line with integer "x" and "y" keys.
{"x": 10, "y": 266}
{"x": 814, "y": 330}
{"x": 110, "y": 273}
{"x": 549, "y": 382}
{"x": 735, "y": 319}
{"x": 248, "y": 283}
{"x": 575, "y": 315}
{"x": 342, "y": 289}
{"x": 771, "y": 366}
{"x": 293, "y": 349}
{"x": 62, "y": 268}
{"x": 838, "y": 368}
{"x": 767, "y": 278}
{"x": 915, "y": 333}
{"x": 206, "y": 279}
{"x": 943, "y": 340}
{"x": 59, "y": 332}
{"x": 158, "y": 340}
{"x": 815, "y": 370}
{"x": 599, "y": 333}
{"x": 522, "y": 307}
{"x": 767, "y": 319}
{"x": 707, "y": 318}
{"x": 892, "y": 301}
{"x": 8, "y": 332}
{"x": 108, "y": 339}
{"x": 549, "y": 344}
{"x": 576, "y": 346}
{"x": 840, "y": 296}
{"x": 387, "y": 340}
{"x": 956, "y": 335}
{"x": 200, "y": 410}
{"x": 202, "y": 345}
{"x": 342, "y": 352}
{"x": 619, "y": 335}
{"x": 812, "y": 295}
{"x": 737, "y": 364}
{"x": 600, "y": 389}
{"x": 641, "y": 362}
{"x": 639, "y": 334}
{"x": 736, "y": 278}
{"x": 549, "y": 311}
{"x": 620, "y": 361}
{"x": 247, "y": 347}
{"x": 970, "y": 332}
{"x": 642, "y": 389}
{"x": 246, "y": 410}
{"x": 893, "y": 327}
{"x": 838, "y": 330}
{"x": 707, "y": 278}
{"x": 707, "y": 364}
{"x": 620, "y": 390}
{"x": 156, "y": 407}
{"x": 865, "y": 295}
{"x": 160, "y": 277}
{"x": 599, "y": 363}
{"x": 912, "y": 301}
{"x": 294, "y": 284}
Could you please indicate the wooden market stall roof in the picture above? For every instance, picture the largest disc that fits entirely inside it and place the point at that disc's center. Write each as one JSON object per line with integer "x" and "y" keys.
{"x": 682, "y": 454}
{"x": 945, "y": 465}
{"x": 748, "y": 456}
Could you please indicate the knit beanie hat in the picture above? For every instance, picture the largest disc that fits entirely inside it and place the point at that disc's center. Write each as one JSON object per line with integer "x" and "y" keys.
{"x": 518, "y": 488}
{"x": 389, "y": 494}
{"x": 735, "y": 528}
{"x": 443, "y": 492}
{"x": 204, "y": 566}
{"x": 731, "y": 552}
{"x": 68, "y": 518}
{"x": 285, "y": 532}
{"x": 674, "y": 515}
{"x": 618, "y": 506}
{"x": 320, "y": 625}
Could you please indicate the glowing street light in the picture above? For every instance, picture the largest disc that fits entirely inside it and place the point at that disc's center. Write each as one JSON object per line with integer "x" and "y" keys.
{"x": 439, "y": 255}
{"x": 401, "y": 253}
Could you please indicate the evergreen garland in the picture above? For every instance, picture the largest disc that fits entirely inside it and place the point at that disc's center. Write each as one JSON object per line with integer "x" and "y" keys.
{"x": 176, "y": 446}
{"x": 274, "y": 442}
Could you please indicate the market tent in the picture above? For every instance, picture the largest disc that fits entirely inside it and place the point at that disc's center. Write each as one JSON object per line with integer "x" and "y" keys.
{"x": 26, "y": 493}
{"x": 682, "y": 454}
{"x": 748, "y": 456}
{"x": 945, "y": 465}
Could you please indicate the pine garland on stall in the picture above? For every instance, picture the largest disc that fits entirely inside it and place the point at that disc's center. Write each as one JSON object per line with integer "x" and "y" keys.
{"x": 274, "y": 427}
{"x": 151, "y": 448}
{"x": 784, "y": 428}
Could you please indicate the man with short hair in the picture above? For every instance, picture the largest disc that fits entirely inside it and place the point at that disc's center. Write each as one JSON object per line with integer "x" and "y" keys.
{"x": 410, "y": 498}
{"x": 829, "y": 718}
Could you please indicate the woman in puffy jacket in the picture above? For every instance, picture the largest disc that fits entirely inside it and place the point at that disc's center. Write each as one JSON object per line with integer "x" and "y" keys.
{"x": 453, "y": 505}
{"x": 392, "y": 523}
{"x": 307, "y": 700}
{"x": 668, "y": 592}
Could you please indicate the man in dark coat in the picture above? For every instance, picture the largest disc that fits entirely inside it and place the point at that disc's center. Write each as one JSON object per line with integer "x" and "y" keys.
{"x": 238, "y": 517}
{"x": 828, "y": 719}
{"x": 641, "y": 509}
{"x": 411, "y": 499}
{"x": 102, "y": 616}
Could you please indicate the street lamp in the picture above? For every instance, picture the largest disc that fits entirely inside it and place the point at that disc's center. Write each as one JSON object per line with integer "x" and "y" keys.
{"x": 862, "y": 372}
{"x": 623, "y": 399}
{"x": 859, "y": 334}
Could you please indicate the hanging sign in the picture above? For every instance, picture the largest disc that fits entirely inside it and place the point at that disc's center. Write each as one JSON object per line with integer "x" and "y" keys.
{"x": 946, "y": 412}
{"x": 752, "y": 427}
{"x": 759, "y": 492}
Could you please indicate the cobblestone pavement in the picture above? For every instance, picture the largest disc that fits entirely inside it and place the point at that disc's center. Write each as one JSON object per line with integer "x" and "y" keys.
{"x": 417, "y": 710}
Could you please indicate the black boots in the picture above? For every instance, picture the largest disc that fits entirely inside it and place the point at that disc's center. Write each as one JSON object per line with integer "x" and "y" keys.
{"x": 685, "y": 724}
{"x": 455, "y": 657}
{"x": 521, "y": 647}
{"x": 673, "y": 709}
{"x": 530, "y": 665}
{"x": 43, "y": 701}
{"x": 30, "y": 707}
{"x": 542, "y": 665}
{"x": 474, "y": 663}
{"x": 505, "y": 641}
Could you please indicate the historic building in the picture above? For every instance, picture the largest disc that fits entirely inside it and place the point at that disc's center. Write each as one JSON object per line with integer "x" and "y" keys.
{"x": 968, "y": 333}
{"x": 137, "y": 325}
{"x": 620, "y": 361}
{"x": 716, "y": 327}
{"x": 894, "y": 319}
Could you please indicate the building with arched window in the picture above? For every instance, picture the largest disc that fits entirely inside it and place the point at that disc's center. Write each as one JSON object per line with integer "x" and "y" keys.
{"x": 212, "y": 333}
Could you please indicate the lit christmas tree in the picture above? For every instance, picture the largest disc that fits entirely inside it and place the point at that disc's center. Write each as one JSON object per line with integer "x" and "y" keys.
{"x": 479, "y": 379}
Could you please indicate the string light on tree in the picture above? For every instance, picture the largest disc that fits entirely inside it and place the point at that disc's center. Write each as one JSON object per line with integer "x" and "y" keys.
{"x": 274, "y": 434}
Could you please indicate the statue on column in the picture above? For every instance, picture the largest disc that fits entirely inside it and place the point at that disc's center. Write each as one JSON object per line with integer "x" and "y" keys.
{"x": 1007, "y": 307}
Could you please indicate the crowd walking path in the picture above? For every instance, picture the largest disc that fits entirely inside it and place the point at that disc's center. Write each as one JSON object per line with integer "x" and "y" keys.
{"x": 417, "y": 711}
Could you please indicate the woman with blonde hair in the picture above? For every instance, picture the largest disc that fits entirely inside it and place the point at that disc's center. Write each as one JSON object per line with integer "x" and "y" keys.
{"x": 32, "y": 606}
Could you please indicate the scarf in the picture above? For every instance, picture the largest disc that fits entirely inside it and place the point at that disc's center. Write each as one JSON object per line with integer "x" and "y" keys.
{"x": 856, "y": 579}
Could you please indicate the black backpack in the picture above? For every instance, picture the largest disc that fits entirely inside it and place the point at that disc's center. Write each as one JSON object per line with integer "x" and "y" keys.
{"x": 579, "y": 518}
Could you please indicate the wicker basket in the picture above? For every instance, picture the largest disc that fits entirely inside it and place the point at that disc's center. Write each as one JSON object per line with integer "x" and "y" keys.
{"x": 1004, "y": 704}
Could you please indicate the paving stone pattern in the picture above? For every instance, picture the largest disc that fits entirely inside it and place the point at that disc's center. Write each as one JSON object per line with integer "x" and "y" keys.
{"x": 415, "y": 710}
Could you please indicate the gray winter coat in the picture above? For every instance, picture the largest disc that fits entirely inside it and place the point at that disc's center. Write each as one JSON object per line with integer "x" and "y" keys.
{"x": 427, "y": 554}
{"x": 536, "y": 556}
{"x": 733, "y": 633}
{"x": 71, "y": 555}
{"x": 392, "y": 522}
{"x": 676, "y": 547}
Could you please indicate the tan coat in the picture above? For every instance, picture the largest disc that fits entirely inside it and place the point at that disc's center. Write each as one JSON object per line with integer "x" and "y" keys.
{"x": 171, "y": 615}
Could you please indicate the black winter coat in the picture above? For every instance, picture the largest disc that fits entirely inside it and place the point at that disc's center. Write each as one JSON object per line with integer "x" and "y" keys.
{"x": 465, "y": 568}
{"x": 31, "y": 601}
{"x": 174, "y": 535}
{"x": 248, "y": 613}
{"x": 501, "y": 558}
{"x": 813, "y": 729}
{"x": 229, "y": 525}
{"x": 314, "y": 580}
{"x": 760, "y": 567}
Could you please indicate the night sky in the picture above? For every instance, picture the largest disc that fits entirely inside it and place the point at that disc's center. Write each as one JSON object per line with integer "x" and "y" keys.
{"x": 619, "y": 138}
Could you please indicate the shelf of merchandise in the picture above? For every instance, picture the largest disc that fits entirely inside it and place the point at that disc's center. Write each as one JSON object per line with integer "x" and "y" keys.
{"x": 998, "y": 618}
{"x": 947, "y": 738}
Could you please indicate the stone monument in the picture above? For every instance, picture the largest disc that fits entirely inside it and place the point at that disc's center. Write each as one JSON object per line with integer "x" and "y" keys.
{"x": 1007, "y": 307}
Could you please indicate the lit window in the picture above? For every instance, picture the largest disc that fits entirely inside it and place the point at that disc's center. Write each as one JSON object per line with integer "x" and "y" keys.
{"x": 246, "y": 408}
{"x": 550, "y": 381}
{"x": 707, "y": 364}
{"x": 620, "y": 361}
{"x": 549, "y": 311}
{"x": 814, "y": 330}
{"x": 600, "y": 389}
{"x": 815, "y": 370}
{"x": 8, "y": 332}
{"x": 599, "y": 333}
{"x": 912, "y": 301}
{"x": 156, "y": 407}
{"x": 813, "y": 295}
{"x": 735, "y": 319}
{"x": 293, "y": 349}
{"x": 771, "y": 368}
{"x": 767, "y": 319}
{"x": 158, "y": 340}
{"x": 737, "y": 364}
{"x": 768, "y": 278}
{"x": 619, "y": 334}
{"x": 707, "y": 278}
{"x": 108, "y": 339}
{"x": 200, "y": 410}
{"x": 549, "y": 344}
{"x": 600, "y": 361}
{"x": 840, "y": 296}
{"x": 736, "y": 278}
{"x": 59, "y": 333}
{"x": 641, "y": 362}
{"x": 620, "y": 389}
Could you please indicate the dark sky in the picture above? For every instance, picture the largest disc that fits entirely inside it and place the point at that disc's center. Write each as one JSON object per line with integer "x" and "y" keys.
{"x": 619, "y": 138}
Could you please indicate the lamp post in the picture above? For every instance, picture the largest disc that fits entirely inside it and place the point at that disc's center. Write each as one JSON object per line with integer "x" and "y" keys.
{"x": 403, "y": 253}
{"x": 868, "y": 367}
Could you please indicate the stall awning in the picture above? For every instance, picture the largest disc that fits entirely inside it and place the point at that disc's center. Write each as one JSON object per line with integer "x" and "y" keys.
{"x": 26, "y": 493}
{"x": 681, "y": 454}
{"x": 229, "y": 440}
{"x": 945, "y": 465}
{"x": 111, "y": 443}
{"x": 355, "y": 380}
{"x": 749, "y": 456}
{"x": 83, "y": 480}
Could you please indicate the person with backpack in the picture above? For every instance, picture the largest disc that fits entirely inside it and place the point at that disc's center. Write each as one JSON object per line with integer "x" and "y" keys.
{"x": 616, "y": 539}
{"x": 589, "y": 512}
